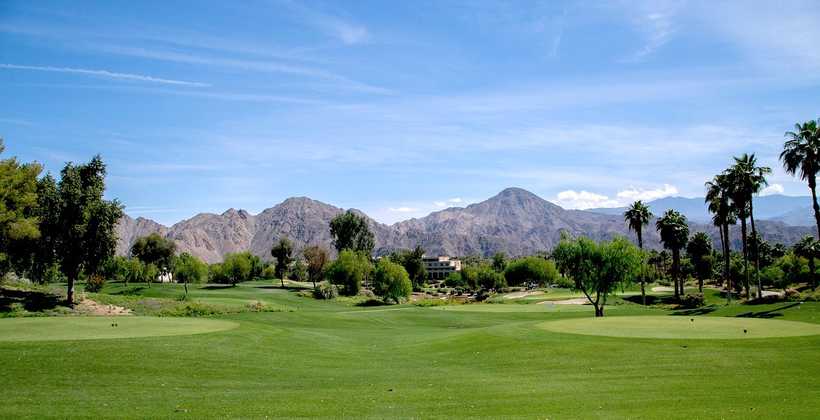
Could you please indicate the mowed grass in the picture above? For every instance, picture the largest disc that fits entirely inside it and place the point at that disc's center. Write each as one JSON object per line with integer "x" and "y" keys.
{"x": 92, "y": 328}
{"x": 332, "y": 359}
{"x": 698, "y": 327}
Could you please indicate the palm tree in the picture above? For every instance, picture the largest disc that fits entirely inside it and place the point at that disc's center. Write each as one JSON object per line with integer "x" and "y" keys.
{"x": 747, "y": 180}
{"x": 808, "y": 248}
{"x": 801, "y": 152}
{"x": 674, "y": 234}
{"x": 637, "y": 216}
{"x": 717, "y": 196}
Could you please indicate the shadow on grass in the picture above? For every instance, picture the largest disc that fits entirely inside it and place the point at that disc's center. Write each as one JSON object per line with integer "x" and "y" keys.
{"x": 130, "y": 291}
{"x": 217, "y": 286}
{"x": 32, "y": 301}
{"x": 279, "y": 287}
{"x": 771, "y": 313}
{"x": 372, "y": 302}
{"x": 651, "y": 299}
{"x": 696, "y": 311}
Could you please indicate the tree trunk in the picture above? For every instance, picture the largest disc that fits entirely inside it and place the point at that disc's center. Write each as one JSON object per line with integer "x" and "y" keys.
{"x": 643, "y": 290}
{"x": 675, "y": 272}
{"x": 745, "y": 257}
{"x": 811, "y": 272}
{"x": 186, "y": 289}
{"x": 727, "y": 261}
{"x": 813, "y": 187}
{"x": 282, "y": 279}
{"x": 70, "y": 291}
{"x": 756, "y": 251}
{"x": 599, "y": 311}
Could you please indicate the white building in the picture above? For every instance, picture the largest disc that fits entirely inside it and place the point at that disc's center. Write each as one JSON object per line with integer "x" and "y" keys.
{"x": 438, "y": 268}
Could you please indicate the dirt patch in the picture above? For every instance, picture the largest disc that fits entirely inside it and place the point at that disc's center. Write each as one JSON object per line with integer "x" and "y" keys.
{"x": 576, "y": 301}
{"x": 90, "y": 307}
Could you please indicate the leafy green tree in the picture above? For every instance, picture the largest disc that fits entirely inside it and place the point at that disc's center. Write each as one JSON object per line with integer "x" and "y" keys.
{"x": 413, "y": 263}
{"x": 636, "y": 217}
{"x": 317, "y": 259}
{"x": 747, "y": 180}
{"x": 597, "y": 269}
{"x": 298, "y": 270}
{"x": 499, "y": 261}
{"x": 283, "y": 252}
{"x": 149, "y": 273}
{"x": 489, "y": 279}
{"x": 801, "y": 155}
{"x": 350, "y": 231}
{"x": 155, "y": 249}
{"x": 189, "y": 269}
{"x": 808, "y": 248}
{"x": 81, "y": 228}
{"x": 531, "y": 270}
{"x": 699, "y": 250}
{"x": 674, "y": 233}
{"x": 391, "y": 281}
{"x": 718, "y": 198}
{"x": 133, "y": 271}
{"x": 237, "y": 268}
{"x": 349, "y": 271}
{"x": 18, "y": 208}
{"x": 116, "y": 268}
{"x": 455, "y": 279}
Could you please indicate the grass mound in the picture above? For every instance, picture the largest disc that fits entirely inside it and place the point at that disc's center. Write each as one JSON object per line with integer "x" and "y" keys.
{"x": 92, "y": 328}
{"x": 697, "y": 327}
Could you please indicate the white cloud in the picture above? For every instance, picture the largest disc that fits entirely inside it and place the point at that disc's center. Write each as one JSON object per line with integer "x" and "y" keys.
{"x": 403, "y": 209}
{"x": 631, "y": 194}
{"x": 657, "y": 21}
{"x": 455, "y": 200}
{"x": 439, "y": 203}
{"x": 346, "y": 31}
{"x": 105, "y": 73}
{"x": 572, "y": 199}
{"x": 772, "y": 189}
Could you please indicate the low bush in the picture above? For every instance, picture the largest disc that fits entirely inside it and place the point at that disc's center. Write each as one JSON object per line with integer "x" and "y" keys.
{"x": 691, "y": 301}
{"x": 94, "y": 283}
{"x": 325, "y": 290}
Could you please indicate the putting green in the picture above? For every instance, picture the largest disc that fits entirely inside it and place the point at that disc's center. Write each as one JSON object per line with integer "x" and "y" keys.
{"x": 699, "y": 327}
{"x": 92, "y": 328}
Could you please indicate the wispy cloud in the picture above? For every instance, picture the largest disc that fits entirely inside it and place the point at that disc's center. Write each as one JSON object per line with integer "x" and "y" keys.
{"x": 772, "y": 189}
{"x": 656, "y": 21}
{"x": 344, "y": 30}
{"x": 104, "y": 73}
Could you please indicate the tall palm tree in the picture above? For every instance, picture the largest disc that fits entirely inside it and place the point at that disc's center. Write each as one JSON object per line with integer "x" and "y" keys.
{"x": 808, "y": 248}
{"x": 747, "y": 180}
{"x": 637, "y": 216}
{"x": 674, "y": 234}
{"x": 801, "y": 155}
{"x": 719, "y": 203}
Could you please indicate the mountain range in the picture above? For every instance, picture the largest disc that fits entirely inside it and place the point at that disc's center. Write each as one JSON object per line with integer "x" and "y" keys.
{"x": 515, "y": 221}
{"x": 791, "y": 210}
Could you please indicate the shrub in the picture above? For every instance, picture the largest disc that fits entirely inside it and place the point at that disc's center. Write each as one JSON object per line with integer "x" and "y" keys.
{"x": 531, "y": 270}
{"x": 455, "y": 280}
{"x": 391, "y": 281}
{"x": 349, "y": 270}
{"x": 489, "y": 279}
{"x": 563, "y": 282}
{"x": 325, "y": 290}
{"x": 693, "y": 301}
{"x": 94, "y": 283}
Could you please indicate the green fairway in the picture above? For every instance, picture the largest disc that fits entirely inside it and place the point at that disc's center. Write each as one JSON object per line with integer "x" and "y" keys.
{"x": 682, "y": 327}
{"x": 334, "y": 359}
{"x": 91, "y": 328}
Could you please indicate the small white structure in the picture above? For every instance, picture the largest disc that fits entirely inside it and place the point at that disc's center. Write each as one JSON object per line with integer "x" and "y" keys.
{"x": 165, "y": 277}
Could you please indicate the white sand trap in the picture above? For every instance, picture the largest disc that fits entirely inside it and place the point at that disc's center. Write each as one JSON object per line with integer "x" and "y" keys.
{"x": 519, "y": 295}
{"x": 662, "y": 289}
{"x": 576, "y": 301}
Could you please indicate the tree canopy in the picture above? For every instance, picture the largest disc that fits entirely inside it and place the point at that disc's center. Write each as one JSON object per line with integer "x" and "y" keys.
{"x": 154, "y": 249}
{"x": 531, "y": 270}
{"x": 350, "y": 231}
{"x": 349, "y": 271}
{"x": 597, "y": 269}
{"x": 283, "y": 252}
{"x": 18, "y": 207}
{"x": 391, "y": 281}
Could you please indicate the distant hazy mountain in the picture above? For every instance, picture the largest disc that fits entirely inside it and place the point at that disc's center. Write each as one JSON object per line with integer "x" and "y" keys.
{"x": 791, "y": 210}
{"x": 515, "y": 221}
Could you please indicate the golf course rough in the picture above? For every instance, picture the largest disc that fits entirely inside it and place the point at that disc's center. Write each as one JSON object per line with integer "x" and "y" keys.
{"x": 670, "y": 327}
{"x": 96, "y": 328}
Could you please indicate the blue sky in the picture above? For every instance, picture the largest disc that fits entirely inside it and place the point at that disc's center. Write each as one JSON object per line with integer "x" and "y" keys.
{"x": 403, "y": 108}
